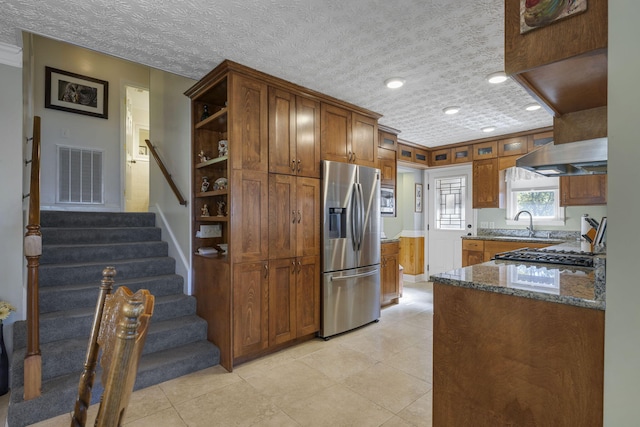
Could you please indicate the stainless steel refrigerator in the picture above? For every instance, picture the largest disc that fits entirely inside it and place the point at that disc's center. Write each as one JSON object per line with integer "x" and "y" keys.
{"x": 351, "y": 241}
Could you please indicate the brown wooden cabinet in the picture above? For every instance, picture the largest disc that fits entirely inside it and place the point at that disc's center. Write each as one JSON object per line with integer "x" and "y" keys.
{"x": 462, "y": 154}
{"x": 513, "y": 146}
{"x": 263, "y": 292}
{"x": 472, "y": 252}
{"x": 564, "y": 77}
{"x": 583, "y": 190}
{"x": 294, "y": 134}
{"x": 364, "y": 141}
{"x": 406, "y": 153}
{"x": 249, "y": 216}
{"x": 389, "y": 273}
{"x": 294, "y": 298}
{"x": 412, "y": 255}
{"x": 294, "y": 216}
{"x": 250, "y": 308}
{"x": 488, "y": 188}
{"x": 248, "y": 118}
{"x": 477, "y": 251}
{"x": 387, "y": 166}
{"x": 485, "y": 150}
{"x": 388, "y": 140}
{"x": 348, "y": 137}
{"x": 440, "y": 157}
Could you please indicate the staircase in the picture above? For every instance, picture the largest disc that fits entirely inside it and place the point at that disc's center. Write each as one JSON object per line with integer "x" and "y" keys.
{"x": 77, "y": 246}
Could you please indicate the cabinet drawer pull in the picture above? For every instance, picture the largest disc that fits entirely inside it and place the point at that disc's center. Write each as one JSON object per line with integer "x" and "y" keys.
{"x": 293, "y": 215}
{"x": 266, "y": 271}
{"x": 293, "y": 165}
{"x": 299, "y": 217}
{"x": 299, "y": 267}
{"x": 299, "y": 168}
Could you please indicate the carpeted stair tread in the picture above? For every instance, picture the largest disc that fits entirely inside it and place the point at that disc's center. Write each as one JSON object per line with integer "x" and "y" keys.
{"x": 75, "y": 253}
{"x": 59, "y": 394}
{"x": 60, "y": 325}
{"x": 66, "y": 297}
{"x": 64, "y": 274}
{"x": 67, "y": 356}
{"x": 96, "y": 219}
{"x": 62, "y": 235}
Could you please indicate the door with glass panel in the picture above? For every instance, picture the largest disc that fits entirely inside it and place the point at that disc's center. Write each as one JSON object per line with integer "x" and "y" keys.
{"x": 450, "y": 216}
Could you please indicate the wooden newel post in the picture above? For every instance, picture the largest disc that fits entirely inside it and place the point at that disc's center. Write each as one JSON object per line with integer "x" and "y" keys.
{"x": 32, "y": 251}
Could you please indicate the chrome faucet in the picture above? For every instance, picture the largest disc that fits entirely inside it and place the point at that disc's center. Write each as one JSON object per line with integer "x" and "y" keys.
{"x": 530, "y": 227}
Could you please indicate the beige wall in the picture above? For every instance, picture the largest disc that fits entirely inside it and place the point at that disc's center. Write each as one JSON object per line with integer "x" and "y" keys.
{"x": 170, "y": 131}
{"x": 11, "y": 171}
{"x": 622, "y": 318}
{"x": 80, "y": 131}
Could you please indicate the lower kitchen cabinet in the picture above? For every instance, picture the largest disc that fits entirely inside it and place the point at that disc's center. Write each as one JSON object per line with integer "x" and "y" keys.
{"x": 250, "y": 308}
{"x": 389, "y": 273}
{"x": 481, "y": 250}
{"x": 294, "y": 298}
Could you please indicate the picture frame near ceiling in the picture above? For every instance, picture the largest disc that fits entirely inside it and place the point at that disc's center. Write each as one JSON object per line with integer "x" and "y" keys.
{"x": 75, "y": 93}
{"x": 418, "y": 198}
{"x": 540, "y": 13}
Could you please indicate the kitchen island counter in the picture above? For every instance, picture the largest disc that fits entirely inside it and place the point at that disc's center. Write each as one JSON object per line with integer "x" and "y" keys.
{"x": 545, "y": 282}
{"x": 519, "y": 343}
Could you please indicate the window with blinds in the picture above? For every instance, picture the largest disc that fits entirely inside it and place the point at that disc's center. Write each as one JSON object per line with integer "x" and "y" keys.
{"x": 79, "y": 175}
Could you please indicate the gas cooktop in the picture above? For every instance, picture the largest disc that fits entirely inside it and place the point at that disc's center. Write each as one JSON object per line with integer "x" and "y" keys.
{"x": 548, "y": 256}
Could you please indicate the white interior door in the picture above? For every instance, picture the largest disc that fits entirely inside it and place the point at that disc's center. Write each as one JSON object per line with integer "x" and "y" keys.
{"x": 136, "y": 189}
{"x": 450, "y": 216}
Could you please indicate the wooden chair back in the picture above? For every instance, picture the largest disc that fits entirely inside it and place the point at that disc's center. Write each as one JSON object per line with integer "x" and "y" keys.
{"x": 119, "y": 331}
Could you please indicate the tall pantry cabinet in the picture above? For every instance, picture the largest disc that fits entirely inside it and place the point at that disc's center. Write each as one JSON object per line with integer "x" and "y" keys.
{"x": 262, "y": 201}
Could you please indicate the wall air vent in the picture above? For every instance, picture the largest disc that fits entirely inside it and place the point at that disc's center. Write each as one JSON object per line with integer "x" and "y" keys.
{"x": 80, "y": 175}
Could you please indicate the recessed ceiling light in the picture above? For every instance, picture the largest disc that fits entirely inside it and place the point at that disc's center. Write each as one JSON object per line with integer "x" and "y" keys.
{"x": 498, "y": 77}
{"x": 451, "y": 110}
{"x": 532, "y": 107}
{"x": 394, "y": 82}
{"x": 488, "y": 129}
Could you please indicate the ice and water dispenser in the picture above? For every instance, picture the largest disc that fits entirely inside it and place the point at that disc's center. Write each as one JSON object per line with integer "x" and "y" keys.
{"x": 337, "y": 223}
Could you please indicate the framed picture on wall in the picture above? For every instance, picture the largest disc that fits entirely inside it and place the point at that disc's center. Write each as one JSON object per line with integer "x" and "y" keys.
{"x": 418, "y": 197}
{"x": 75, "y": 93}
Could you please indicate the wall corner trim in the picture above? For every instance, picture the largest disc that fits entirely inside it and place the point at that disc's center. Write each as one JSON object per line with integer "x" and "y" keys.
{"x": 10, "y": 55}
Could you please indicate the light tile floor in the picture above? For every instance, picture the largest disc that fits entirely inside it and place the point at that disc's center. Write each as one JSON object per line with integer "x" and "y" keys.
{"x": 378, "y": 375}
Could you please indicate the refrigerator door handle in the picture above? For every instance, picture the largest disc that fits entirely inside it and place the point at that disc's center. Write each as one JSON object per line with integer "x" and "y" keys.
{"x": 354, "y": 222}
{"x": 353, "y": 276}
{"x": 361, "y": 216}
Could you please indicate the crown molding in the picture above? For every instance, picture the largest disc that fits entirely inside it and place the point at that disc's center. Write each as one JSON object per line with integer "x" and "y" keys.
{"x": 10, "y": 55}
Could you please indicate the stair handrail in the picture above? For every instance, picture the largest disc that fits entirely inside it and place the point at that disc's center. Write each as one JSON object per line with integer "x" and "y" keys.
{"x": 32, "y": 251}
{"x": 166, "y": 173}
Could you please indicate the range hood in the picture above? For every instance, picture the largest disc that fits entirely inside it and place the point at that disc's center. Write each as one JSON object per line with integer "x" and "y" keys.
{"x": 573, "y": 158}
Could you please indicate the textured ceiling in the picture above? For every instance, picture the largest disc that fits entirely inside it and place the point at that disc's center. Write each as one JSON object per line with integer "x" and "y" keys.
{"x": 444, "y": 49}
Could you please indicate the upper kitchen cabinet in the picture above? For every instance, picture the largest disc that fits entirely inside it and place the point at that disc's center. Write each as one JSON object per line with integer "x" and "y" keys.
{"x": 563, "y": 64}
{"x": 294, "y": 134}
{"x": 249, "y": 124}
{"x": 583, "y": 190}
{"x": 348, "y": 136}
{"x": 387, "y": 138}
